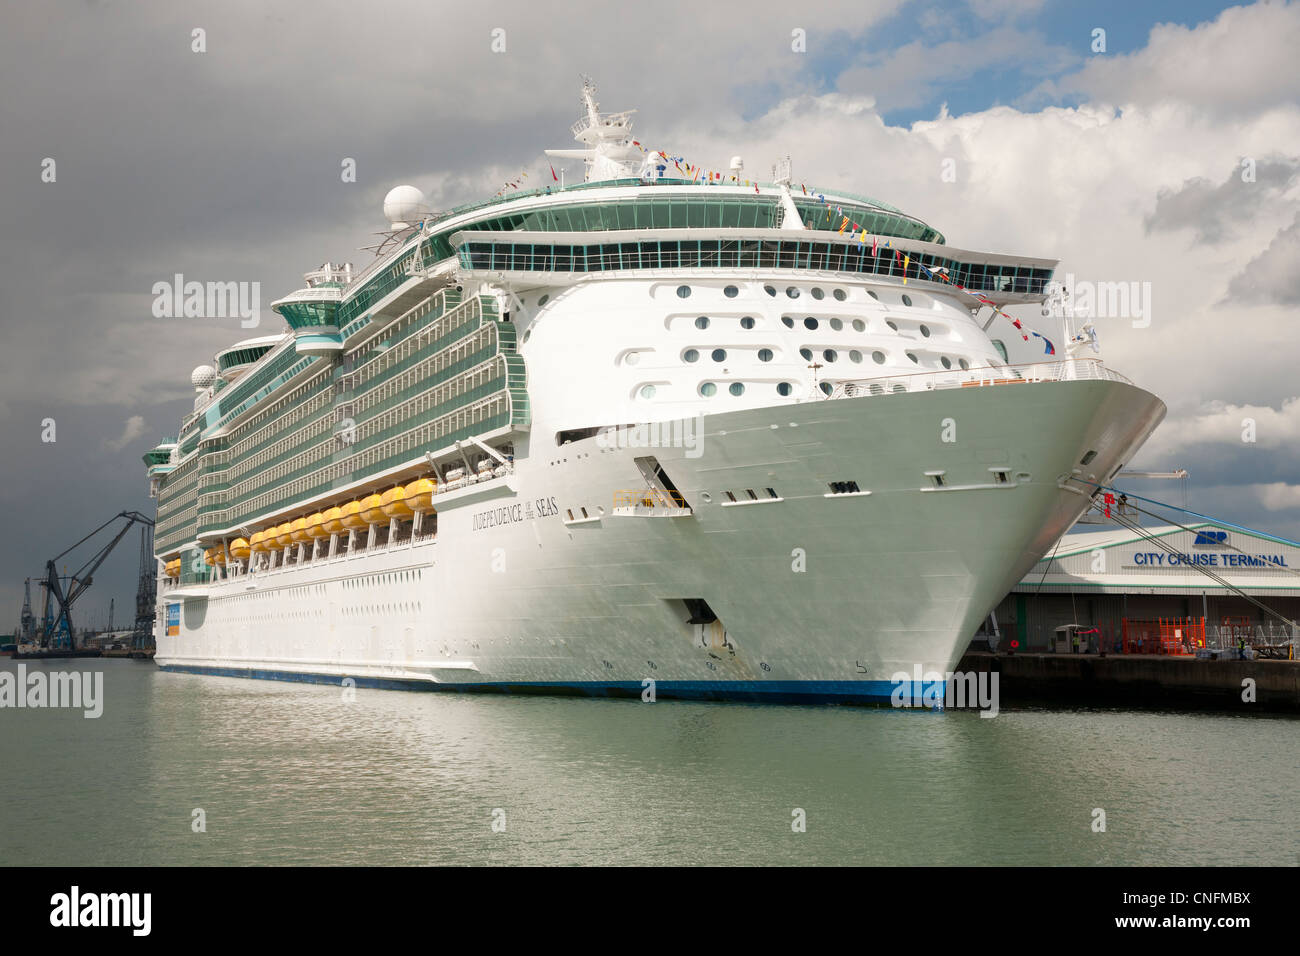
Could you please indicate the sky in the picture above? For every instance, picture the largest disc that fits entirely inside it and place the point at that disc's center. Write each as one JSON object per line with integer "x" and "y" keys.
{"x": 1155, "y": 143}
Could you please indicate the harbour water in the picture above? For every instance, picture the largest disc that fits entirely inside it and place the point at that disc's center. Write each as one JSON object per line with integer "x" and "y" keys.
{"x": 295, "y": 773}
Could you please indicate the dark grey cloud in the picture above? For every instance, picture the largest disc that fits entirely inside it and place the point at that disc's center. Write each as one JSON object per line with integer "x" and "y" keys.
{"x": 1216, "y": 212}
{"x": 1272, "y": 277}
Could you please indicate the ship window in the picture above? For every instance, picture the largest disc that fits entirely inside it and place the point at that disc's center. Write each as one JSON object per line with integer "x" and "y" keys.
{"x": 765, "y": 355}
{"x": 818, "y": 294}
{"x": 783, "y": 388}
{"x": 892, "y": 324}
{"x": 946, "y": 362}
{"x": 830, "y": 355}
{"x": 912, "y": 356}
{"x": 925, "y": 331}
{"x": 708, "y": 389}
{"x": 907, "y": 300}
{"x": 836, "y": 324}
{"x": 702, "y": 322}
{"x": 963, "y": 363}
{"x": 683, "y": 291}
{"x": 691, "y": 355}
{"x": 647, "y": 391}
{"x": 771, "y": 493}
{"x": 807, "y": 354}
{"x": 1002, "y": 349}
{"x": 719, "y": 355}
{"x": 878, "y": 357}
{"x": 855, "y": 356}
{"x": 770, "y": 290}
{"x": 737, "y": 388}
{"x": 810, "y": 323}
{"x": 792, "y": 292}
{"x": 826, "y": 387}
{"x": 840, "y": 295}
{"x": 873, "y": 295}
{"x": 787, "y": 321}
{"x": 747, "y": 322}
{"x": 631, "y": 358}
{"x": 731, "y": 292}
{"x": 859, "y": 325}
{"x": 1087, "y": 459}
{"x": 543, "y": 300}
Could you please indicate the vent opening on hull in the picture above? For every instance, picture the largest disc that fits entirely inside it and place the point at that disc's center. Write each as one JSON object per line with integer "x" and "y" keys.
{"x": 704, "y": 626}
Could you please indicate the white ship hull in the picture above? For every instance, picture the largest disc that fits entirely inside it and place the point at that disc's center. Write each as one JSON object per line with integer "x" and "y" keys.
{"x": 820, "y": 596}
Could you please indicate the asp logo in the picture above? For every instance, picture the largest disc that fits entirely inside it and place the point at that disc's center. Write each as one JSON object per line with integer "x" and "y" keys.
{"x": 1210, "y": 538}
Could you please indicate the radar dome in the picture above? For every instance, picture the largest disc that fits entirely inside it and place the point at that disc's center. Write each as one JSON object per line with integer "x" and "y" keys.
{"x": 203, "y": 376}
{"x": 404, "y": 205}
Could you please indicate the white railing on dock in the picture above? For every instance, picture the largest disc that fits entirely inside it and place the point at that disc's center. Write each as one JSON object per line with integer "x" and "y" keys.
{"x": 1064, "y": 370}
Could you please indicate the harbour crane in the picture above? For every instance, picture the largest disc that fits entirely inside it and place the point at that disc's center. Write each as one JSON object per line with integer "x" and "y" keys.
{"x": 59, "y": 597}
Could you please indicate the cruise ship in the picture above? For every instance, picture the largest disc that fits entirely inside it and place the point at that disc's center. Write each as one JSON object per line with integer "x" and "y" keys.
{"x": 659, "y": 433}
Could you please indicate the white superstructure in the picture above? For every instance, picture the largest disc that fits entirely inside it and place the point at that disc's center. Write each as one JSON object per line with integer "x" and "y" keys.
{"x": 641, "y": 429}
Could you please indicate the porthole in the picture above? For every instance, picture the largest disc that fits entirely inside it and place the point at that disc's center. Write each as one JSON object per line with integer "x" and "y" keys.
{"x": 708, "y": 389}
{"x": 647, "y": 391}
{"x": 807, "y": 354}
{"x": 912, "y": 356}
{"x": 770, "y": 290}
{"x": 817, "y": 293}
{"x": 907, "y": 300}
{"x": 836, "y": 324}
{"x": 925, "y": 331}
{"x": 945, "y": 361}
{"x": 691, "y": 355}
{"x": 765, "y": 355}
{"x": 859, "y": 325}
{"x": 784, "y": 388}
{"x": 683, "y": 292}
{"x": 826, "y": 387}
{"x": 719, "y": 355}
{"x": 810, "y": 323}
{"x": 527, "y": 336}
{"x": 963, "y": 363}
{"x": 787, "y": 321}
{"x": 878, "y": 357}
{"x": 731, "y": 292}
{"x": 873, "y": 295}
{"x": 747, "y": 322}
{"x": 543, "y": 300}
{"x": 736, "y": 388}
{"x": 631, "y": 358}
{"x": 892, "y": 324}
{"x": 855, "y": 356}
{"x": 840, "y": 295}
{"x": 830, "y": 355}
{"x": 702, "y": 322}
{"x": 792, "y": 292}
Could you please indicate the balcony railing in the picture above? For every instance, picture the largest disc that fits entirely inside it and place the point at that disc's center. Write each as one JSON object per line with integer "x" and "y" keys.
{"x": 1065, "y": 370}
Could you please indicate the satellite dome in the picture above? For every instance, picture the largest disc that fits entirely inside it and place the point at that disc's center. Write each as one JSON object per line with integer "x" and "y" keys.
{"x": 404, "y": 205}
{"x": 203, "y": 376}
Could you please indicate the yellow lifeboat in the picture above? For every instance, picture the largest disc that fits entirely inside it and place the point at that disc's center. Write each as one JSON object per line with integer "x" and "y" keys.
{"x": 214, "y": 556}
{"x": 257, "y": 543}
{"x": 316, "y": 526}
{"x": 332, "y": 520}
{"x": 172, "y": 568}
{"x": 372, "y": 509}
{"x": 239, "y": 549}
{"x": 282, "y": 535}
{"x": 419, "y": 495}
{"x": 350, "y": 515}
{"x": 394, "y": 503}
{"x": 298, "y": 530}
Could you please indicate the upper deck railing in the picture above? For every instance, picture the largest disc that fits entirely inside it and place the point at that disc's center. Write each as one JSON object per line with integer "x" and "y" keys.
{"x": 1063, "y": 370}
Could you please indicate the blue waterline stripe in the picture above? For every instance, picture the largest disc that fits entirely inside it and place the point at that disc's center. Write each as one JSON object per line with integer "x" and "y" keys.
{"x": 776, "y": 691}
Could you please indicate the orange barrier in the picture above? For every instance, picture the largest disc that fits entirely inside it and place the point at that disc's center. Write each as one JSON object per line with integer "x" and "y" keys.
{"x": 1174, "y": 636}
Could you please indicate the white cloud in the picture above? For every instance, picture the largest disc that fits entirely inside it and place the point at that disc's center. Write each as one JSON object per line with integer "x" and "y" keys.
{"x": 1278, "y": 495}
{"x": 131, "y": 430}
